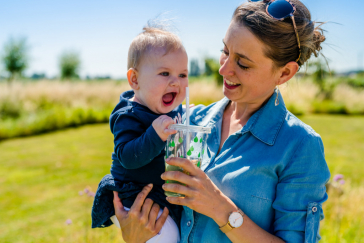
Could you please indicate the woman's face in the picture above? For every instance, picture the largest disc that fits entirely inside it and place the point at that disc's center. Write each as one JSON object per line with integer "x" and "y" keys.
{"x": 249, "y": 75}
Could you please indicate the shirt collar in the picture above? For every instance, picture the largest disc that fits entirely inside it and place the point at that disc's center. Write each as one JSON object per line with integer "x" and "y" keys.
{"x": 264, "y": 124}
{"x": 267, "y": 121}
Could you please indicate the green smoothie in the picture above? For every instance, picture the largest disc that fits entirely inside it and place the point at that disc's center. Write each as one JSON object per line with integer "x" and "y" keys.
{"x": 197, "y": 162}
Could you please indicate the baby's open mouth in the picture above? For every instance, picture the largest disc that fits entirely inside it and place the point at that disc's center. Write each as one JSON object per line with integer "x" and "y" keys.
{"x": 169, "y": 98}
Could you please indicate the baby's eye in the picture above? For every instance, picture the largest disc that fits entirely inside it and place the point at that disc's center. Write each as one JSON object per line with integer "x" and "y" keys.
{"x": 164, "y": 74}
{"x": 182, "y": 75}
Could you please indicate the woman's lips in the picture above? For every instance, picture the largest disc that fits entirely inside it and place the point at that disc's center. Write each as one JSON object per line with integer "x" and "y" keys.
{"x": 230, "y": 86}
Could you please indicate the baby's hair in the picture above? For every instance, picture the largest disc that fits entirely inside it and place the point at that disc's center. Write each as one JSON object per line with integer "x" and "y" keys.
{"x": 154, "y": 36}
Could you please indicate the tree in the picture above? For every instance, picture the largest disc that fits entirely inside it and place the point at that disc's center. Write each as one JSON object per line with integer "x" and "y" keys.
{"x": 194, "y": 68}
{"x": 320, "y": 76}
{"x": 15, "y": 57}
{"x": 212, "y": 67}
{"x": 69, "y": 64}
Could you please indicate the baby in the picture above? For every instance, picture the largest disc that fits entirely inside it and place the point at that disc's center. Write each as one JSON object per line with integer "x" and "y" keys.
{"x": 157, "y": 74}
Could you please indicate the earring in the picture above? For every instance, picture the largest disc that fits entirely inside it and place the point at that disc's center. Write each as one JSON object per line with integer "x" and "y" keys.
{"x": 277, "y": 98}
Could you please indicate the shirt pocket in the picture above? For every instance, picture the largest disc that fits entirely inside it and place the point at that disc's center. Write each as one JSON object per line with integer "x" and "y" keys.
{"x": 314, "y": 215}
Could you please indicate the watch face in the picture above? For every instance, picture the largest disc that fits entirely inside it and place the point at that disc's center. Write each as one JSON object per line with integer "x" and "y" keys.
{"x": 236, "y": 219}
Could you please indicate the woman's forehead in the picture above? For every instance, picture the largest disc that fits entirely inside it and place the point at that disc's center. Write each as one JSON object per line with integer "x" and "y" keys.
{"x": 240, "y": 40}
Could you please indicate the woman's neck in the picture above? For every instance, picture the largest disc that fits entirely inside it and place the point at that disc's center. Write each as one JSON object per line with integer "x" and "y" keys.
{"x": 242, "y": 111}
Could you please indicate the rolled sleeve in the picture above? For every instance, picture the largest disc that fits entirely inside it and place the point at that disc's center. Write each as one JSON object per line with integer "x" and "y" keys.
{"x": 300, "y": 193}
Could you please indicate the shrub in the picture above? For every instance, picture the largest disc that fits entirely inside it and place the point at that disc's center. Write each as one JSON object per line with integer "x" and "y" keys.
{"x": 69, "y": 64}
{"x": 212, "y": 67}
{"x": 329, "y": 107}
{"x": 357, "y": 82}
{"x": 320, "y": 76}
{"x": 15, "y": 57}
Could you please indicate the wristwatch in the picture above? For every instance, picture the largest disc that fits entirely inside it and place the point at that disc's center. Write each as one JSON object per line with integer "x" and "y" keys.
{"x": 236, "y": 219}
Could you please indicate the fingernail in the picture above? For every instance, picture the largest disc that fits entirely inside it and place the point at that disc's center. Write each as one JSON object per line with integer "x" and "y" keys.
{"x": 150, "y": 185}
{"x": 167, "y": 198}
{"x": 162, "y": 176}
{"x": 164, "y": 186}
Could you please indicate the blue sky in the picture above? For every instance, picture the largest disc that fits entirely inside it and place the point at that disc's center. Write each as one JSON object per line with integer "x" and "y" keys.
{"x": 101, "y": 31}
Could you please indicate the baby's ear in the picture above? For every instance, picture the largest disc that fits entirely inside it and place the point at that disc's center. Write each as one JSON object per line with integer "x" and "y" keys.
{"x": 132, "y": 75}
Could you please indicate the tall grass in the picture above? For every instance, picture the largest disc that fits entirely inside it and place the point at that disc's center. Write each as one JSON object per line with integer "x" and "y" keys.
{"x": 37, "y": 107}
{"x": 343, "y": 215}
{"x": 28, "y": 108}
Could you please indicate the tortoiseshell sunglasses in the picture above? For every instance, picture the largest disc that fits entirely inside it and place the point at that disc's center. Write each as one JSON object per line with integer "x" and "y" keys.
{"x": 280, "y": 10}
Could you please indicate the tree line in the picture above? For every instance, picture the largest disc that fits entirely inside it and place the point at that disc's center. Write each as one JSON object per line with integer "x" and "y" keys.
{"x": 15, "y": 59}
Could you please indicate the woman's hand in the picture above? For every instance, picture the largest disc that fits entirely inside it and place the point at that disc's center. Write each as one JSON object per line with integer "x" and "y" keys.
{"x": 140, "y": 223}
{"x": 201, "y": 194}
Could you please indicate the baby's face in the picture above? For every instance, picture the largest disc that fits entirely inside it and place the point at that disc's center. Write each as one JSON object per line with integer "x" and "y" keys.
{"x": 162, "y": 80}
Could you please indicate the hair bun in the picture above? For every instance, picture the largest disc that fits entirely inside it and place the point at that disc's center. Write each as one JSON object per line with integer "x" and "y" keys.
{"x": 318, "y": 38}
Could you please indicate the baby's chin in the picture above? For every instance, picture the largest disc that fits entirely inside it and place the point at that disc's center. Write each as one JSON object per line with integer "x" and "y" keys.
{"x": 168, "y": 109}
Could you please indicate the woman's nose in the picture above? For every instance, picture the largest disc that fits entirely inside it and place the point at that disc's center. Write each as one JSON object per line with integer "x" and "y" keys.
{"x": 226, "y": 68}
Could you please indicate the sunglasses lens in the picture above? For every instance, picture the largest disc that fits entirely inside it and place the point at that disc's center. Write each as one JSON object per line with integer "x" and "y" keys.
{"x": 255, "y": 0}
{"x": 280, "y": 9}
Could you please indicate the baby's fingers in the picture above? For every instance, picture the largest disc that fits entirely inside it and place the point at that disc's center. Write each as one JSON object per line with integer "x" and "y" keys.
{"x": 167, "y": 121}
{"x": 169, "y": 131}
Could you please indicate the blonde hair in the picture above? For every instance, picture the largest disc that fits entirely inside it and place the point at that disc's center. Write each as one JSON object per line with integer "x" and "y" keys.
{"x": 154, "y": 36}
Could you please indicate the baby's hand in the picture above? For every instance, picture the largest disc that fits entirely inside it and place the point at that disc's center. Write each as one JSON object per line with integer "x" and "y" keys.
{"x": 161, "y": 125}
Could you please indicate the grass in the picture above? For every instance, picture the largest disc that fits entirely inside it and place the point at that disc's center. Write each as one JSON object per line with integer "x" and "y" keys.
{"x": 41, "y": 177}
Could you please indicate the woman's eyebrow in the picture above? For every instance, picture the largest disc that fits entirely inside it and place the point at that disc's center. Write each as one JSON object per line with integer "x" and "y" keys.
{"x": 240, "y": 55}
{"x": 243, "y": 56}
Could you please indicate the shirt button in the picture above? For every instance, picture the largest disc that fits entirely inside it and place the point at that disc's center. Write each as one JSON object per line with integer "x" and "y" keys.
{"x": 314, "y": 209}
{"x": 188, "y": 223}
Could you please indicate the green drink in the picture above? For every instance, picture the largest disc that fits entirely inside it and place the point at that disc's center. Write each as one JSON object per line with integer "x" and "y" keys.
{"x": 189, "y": 142}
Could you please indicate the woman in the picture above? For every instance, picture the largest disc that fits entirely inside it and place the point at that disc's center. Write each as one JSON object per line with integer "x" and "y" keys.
{"x": 266, "y": 174}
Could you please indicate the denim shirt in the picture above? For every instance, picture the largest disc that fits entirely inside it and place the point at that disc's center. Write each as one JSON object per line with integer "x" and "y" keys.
{"x": 273, "y": 169}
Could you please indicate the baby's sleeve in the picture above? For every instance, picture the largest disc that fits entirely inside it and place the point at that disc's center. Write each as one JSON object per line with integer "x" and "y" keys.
{"x": 134, "y": 145}
{"x": 300, "y": 193}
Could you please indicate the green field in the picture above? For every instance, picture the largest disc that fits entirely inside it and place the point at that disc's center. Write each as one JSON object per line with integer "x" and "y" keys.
{"x": 41, "y": 177}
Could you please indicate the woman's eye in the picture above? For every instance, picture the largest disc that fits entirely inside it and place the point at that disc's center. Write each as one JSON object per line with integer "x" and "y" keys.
{"x": 225, "y": 52}
{"x": 242, "y": 66}
{"x": 165, "y": 74}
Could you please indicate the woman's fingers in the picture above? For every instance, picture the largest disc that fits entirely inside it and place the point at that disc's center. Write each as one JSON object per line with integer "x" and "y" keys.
{"x": 179, "y": 200}
{"x": 153, "y": 214}
{"x": 146, "y": 210}
{"x": 178, "y": 188}
{"x": 151, "y": 225}
{"x": 185, "y": 164}
{"x": 161, "y": 220}
{"x": 118, "y": 206}
{"x": 178, "y": 176}
{"x": 137, "y": 205}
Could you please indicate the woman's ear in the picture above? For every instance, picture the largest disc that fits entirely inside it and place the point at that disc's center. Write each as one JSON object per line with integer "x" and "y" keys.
{"x": 287, "y": 72}
{"x": 132, "y": 75}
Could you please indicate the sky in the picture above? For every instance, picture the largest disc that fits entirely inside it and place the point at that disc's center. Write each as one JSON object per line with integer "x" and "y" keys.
{"x": 101, "y": 31}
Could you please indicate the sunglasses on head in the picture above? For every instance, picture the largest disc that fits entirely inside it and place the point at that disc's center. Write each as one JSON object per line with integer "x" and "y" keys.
{"x": 280, "y": 10}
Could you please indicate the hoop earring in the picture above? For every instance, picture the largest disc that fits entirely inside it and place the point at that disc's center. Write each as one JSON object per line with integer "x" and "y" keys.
{"x": 277, "y": 98}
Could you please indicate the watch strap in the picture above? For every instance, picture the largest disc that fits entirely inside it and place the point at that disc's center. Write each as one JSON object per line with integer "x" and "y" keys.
{"x": 226, "y": 228}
